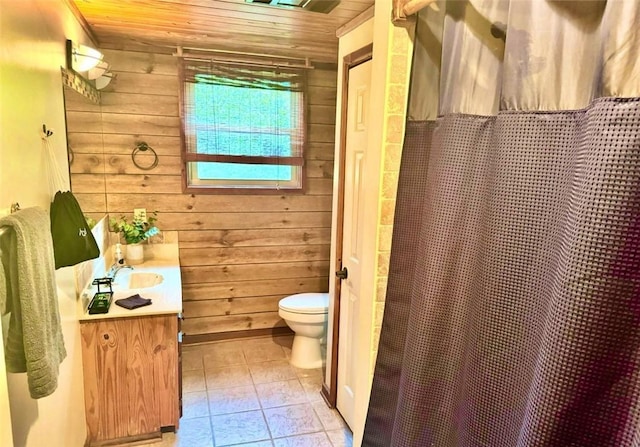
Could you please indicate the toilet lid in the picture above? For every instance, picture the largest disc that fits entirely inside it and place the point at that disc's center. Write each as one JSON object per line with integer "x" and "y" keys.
{"x": 306, "y": 303}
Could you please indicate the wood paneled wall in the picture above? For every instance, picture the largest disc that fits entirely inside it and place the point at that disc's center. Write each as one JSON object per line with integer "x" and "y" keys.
{"x": 240, "y": 254}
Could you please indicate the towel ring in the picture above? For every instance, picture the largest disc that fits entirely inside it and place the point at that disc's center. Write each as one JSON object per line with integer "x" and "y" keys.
{"x": 144, "y": 147}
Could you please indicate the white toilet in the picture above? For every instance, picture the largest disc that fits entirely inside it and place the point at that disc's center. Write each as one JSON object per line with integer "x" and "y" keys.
{"x": 306, "y": 315}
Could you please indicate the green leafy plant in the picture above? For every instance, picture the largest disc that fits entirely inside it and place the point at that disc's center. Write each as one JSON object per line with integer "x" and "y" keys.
{"x": 90, "y": 221}
{"x": 137, "y": 230}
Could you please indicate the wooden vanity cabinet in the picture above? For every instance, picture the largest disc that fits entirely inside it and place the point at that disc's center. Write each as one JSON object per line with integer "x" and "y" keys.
{"x": 131, "y": 377}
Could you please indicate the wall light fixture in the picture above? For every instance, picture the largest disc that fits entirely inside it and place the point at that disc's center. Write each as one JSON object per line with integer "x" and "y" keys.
{"x": 104, "y": 80}
{"x": 81, "y": 58}
{"x": 98, "y": 70}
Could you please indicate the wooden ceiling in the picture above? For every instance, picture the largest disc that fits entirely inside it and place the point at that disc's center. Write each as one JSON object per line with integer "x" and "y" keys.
{"x": 229, "y": 25}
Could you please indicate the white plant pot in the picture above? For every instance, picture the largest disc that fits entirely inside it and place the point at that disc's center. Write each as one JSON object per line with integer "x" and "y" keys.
{"x": 135, "y": 254}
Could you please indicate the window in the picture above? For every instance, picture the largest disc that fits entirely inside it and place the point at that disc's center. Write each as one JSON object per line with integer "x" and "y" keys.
{"x": 243, "y": 127}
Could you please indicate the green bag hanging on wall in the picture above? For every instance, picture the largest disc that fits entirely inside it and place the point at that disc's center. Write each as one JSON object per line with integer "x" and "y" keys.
{"x": 73, "y": 241}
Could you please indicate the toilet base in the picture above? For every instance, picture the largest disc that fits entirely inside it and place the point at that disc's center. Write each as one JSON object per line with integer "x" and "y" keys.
{"x": 306, "y": 352}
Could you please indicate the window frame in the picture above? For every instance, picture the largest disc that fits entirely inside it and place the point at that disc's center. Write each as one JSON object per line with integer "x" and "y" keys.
{"x": 248, "y": 187}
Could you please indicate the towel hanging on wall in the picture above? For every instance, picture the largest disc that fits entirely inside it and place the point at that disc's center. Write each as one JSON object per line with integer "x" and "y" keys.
{"x": 34, "y": 342}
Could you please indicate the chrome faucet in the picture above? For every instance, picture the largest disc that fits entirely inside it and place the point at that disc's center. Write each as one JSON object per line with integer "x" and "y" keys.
{"x": 118, "y": 263}
{"x": 115, "y": 268}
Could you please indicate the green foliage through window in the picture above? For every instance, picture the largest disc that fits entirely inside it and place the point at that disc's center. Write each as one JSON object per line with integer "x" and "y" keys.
{"x": 243, "y": 128}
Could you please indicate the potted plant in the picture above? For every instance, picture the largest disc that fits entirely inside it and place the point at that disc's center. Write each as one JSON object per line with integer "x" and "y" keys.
{"x": 135, "y": 232}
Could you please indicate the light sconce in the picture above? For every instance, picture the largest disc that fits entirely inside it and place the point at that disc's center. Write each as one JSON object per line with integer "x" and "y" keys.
{"x": 81, "y": 58}
{"x": 104, "y": 80}
{"x": 97, "y": 71}
{"x": 89, "y": 61}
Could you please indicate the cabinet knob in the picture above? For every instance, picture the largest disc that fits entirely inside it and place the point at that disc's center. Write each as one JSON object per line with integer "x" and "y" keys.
{"x": 106, "y": 336}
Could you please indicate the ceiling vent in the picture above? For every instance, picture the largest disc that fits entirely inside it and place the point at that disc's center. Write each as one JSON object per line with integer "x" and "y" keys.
{"x": 322, "y": 6}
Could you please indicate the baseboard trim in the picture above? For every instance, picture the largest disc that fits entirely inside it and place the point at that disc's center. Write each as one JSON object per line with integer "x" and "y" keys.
{"x": 128, "y": 440}
{"x": 326, "y": 395}
{"x": 220, "y": 336}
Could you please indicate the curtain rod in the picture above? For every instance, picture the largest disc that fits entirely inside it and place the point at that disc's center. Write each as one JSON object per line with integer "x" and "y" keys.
{"x": 244, "y": 58}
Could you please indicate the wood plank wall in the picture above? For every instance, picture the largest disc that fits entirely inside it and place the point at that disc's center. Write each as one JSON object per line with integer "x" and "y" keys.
{"x": 239, "y": 254}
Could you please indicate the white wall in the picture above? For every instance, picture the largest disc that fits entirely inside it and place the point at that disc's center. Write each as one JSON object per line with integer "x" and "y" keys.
{"x": 33, "y": 35}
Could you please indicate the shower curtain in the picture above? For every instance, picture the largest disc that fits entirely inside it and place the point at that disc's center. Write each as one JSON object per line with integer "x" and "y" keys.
{"x": 512, "y": 313}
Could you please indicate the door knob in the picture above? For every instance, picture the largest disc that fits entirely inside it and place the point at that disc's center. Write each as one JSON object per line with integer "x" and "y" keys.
{"x": 342, "y": 274}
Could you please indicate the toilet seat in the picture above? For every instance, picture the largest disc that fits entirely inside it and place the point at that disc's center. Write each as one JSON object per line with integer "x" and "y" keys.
{"x": 306, "y": 303}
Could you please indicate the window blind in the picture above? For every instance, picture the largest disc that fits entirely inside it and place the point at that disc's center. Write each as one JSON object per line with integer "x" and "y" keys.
{"x": 243, "y": 114}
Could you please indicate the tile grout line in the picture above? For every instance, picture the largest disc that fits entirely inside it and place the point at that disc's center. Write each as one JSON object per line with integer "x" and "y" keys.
{"x": 264, "y": 417}
{"x": 306, "y": 400}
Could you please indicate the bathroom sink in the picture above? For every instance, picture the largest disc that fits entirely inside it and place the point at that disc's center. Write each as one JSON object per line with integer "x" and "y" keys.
{"x": 138, "y": 280}
{"x": 144, "y": 280}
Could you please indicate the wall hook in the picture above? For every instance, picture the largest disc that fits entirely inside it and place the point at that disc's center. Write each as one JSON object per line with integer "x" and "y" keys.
{"x": 46, "y": 133}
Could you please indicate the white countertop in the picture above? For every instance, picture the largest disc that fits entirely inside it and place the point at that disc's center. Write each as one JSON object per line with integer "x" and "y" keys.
{"x": 166, "y": 297}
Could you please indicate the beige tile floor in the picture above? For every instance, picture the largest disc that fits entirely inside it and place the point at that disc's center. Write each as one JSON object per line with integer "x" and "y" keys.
{"x": 245, "y": 394}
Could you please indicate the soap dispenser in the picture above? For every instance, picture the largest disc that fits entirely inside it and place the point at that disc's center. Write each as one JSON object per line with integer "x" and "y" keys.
{"x": 118, "y": 258}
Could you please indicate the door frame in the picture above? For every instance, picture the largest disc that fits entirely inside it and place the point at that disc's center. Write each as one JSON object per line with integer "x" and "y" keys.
{"x": 351, "y": 60}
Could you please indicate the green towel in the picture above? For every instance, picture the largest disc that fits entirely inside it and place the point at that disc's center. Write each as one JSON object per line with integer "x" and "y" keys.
{"x": 34, "y": 342}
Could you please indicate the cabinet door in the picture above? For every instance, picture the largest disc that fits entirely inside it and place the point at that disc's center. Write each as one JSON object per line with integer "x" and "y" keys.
{"x": 165, "y": 360}
{"x": 141, "y": 401}
{"x": 105, "y": 367}
{"x": 180, "y": 338}
{"x": 130, "y": 376}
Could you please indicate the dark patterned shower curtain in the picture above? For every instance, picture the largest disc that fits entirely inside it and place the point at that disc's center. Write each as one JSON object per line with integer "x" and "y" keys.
{"x": 512, "y": 314}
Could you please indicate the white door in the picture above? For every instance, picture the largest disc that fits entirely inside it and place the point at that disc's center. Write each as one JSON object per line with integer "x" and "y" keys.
{"x": 354, "y": 181}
